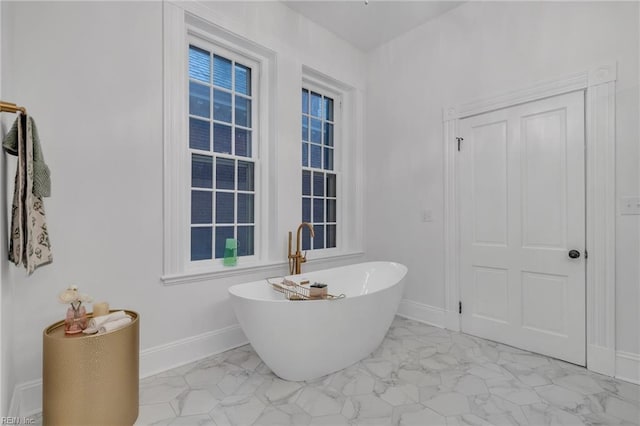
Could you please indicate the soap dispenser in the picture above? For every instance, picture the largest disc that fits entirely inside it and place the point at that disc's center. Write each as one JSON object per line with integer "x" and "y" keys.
{"x": 230, "y": 252}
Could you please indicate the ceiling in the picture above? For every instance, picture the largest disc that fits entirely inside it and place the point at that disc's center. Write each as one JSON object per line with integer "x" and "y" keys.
{"x": 367, "y": 26}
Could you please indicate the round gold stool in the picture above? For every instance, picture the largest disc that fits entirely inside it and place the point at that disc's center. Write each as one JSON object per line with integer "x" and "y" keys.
{"x": 91, "y": 379}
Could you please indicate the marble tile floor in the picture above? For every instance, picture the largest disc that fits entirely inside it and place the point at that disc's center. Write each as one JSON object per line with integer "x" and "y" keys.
{"x": 420, "y": 375}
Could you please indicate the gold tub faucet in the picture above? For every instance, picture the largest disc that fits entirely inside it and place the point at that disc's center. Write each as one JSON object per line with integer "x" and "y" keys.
{"x": 296, "y": 260}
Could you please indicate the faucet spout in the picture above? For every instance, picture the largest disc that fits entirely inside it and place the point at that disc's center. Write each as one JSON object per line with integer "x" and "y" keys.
{"x": 296, "y": 260}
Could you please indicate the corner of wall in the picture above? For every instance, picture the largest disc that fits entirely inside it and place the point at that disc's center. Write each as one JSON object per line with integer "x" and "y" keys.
{"x": 7, "y": 377}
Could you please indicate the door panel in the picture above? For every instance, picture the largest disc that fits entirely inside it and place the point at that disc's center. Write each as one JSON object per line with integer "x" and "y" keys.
{"x": 544, "y": 194}
{"x": 491, "y": 292}
{"x": 490, "y": 184}
{"x": 522, "y": 198}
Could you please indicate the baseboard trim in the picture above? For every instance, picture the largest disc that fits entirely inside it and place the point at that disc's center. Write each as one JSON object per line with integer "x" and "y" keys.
{"x": 628, "y": 367}
{"x": 601, "y": 360}
{"x": 26, "y": 400}
{"x": 27, "y": 397}
{"x": 423, "y": 313}
{"x": 180, "y": 352}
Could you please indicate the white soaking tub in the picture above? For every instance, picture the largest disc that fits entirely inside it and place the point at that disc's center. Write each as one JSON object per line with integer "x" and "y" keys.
{"x": 303, "y": 340}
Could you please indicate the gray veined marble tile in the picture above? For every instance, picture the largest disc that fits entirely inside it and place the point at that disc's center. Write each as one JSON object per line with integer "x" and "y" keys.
{"x": 580, "y": 383}
{"x": 464, "y": 340}
{"x": 562, "y": 397}
{"x": 467, "y": 420}
{"x": 252, "y": 385}
{"x": 622, "y": 390}
{"x": 401, "y": 395}
{"x": 359, "y": 384}
{"x": 437, "y": 362}
{"x": 237, "y": 410}
{"x": 320, "y": 402}
{"x": 400, "y": 330}
{"x": 193, "y": 402}
{"x": 515, "y": 393}
{"x": 544, "y": 414}
{"x": 497, "y": 410}
{"x": 280, "y": 415}
{"x": 232, "y": 381}
{"x": 489, "y": 371}
{"x": 533, "y": 379}
{"x": 621, "y": 409}
{"x": 379, "y": 367}
{"x": 154, "y": 413}
{"x": 368, "y": 407}
{"x": 418, "y": 415}
{"x": 200, "y": 378}
{"x": 486, "y": 352}
{"x": 419, "y": 375}
{"x": 471, "y": 385}
{"x": 448, "y": 404}
{"x": 278, "y": 391}
{"x": 202, "y": 420}
{"x": 155, "y": 390}
{"x": 245, "y": 360}
{"x": 332, "y": 420}
{"x": 354, "y": 378}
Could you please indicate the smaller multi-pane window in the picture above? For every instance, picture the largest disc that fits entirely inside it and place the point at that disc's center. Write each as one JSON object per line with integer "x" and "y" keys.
{"x": 221, "y": 148}
{"x": 319, "y": 180}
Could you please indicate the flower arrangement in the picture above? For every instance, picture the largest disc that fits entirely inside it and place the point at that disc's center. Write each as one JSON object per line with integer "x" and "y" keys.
{"x": 76, "y": 319}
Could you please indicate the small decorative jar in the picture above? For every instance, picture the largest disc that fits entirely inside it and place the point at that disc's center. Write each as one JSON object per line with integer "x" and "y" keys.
{"x": 76, "y": 319}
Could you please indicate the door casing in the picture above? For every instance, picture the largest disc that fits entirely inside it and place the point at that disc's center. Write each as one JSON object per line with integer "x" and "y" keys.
{"x": 599, "y": 86}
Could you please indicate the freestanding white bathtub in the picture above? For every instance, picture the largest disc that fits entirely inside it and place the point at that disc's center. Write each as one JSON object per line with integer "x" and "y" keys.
{"x": 303, "y": 340}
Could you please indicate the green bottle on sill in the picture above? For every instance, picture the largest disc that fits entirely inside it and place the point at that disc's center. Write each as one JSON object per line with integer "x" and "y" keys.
{"x": 230, "y": 252}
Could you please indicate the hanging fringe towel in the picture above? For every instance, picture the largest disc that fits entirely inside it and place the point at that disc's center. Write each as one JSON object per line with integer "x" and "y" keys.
{"x": 29, "y": 240}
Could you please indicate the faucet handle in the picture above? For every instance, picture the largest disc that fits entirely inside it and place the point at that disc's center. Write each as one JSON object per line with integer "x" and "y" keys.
{"x": 303, "y": 259}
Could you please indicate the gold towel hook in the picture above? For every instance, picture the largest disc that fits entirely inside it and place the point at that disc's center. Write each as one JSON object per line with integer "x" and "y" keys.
{"x": 11, "y": 107}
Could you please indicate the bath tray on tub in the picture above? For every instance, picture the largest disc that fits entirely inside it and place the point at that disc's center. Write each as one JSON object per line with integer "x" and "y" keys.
{"x": 295, "y": 291}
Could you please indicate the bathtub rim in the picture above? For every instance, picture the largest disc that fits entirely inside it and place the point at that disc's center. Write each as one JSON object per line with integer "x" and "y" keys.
{"x": 264, "y": 282}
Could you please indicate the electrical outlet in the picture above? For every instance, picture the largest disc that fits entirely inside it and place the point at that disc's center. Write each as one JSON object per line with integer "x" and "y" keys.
{"x": 630, "y": 205}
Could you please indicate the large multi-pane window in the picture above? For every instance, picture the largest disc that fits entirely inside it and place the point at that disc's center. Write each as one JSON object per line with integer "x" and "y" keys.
{"x": 319, "y": 179}
{"x": 221, "y": 146}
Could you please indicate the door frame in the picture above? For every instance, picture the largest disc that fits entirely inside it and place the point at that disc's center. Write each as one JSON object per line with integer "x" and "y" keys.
{"x": 598, "y": 84}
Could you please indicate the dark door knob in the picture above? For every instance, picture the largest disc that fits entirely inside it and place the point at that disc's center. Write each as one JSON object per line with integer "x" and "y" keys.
{"x": 574, "y": 254}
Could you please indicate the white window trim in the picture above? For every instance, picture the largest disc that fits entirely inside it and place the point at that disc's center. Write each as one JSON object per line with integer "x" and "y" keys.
{"x": 337, "y": 96}
{"x": 179, "y": 26}
{"x": 347, "y": 163}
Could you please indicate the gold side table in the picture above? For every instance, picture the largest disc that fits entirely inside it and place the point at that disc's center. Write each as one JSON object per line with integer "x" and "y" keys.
{"x": 91, "y": 379}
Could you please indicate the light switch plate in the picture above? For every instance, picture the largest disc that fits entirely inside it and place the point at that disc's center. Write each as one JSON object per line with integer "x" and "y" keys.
{"x": 427, "y": 215}
{"x": 630, "y": 205}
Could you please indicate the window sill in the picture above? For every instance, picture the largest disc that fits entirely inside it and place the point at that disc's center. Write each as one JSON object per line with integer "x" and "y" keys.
{"x": 223, "y": 272}
{"x": 269, "y": 268}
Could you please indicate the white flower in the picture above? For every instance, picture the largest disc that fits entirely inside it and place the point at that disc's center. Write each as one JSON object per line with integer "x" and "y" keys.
{"x": 71, "y": 295}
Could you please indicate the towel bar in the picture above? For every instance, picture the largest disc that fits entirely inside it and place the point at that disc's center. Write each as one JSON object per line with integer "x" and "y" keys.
{"x": 11, "y": 107}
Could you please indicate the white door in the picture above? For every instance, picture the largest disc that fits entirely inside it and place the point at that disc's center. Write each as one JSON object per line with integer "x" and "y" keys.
{"x": 522, "y": 200}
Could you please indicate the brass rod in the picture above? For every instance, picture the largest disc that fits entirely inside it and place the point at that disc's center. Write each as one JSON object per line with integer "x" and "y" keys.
{"x": 11, "y": 107}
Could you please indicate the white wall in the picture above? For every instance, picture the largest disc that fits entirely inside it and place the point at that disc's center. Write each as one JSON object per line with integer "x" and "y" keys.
{"x": 481, "y": 49}
{"x": 90, "y": 73}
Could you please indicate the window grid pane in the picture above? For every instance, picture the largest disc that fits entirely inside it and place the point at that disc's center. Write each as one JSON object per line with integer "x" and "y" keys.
{"x": 223, "y": 197}
{"x": 319, "y": 180}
